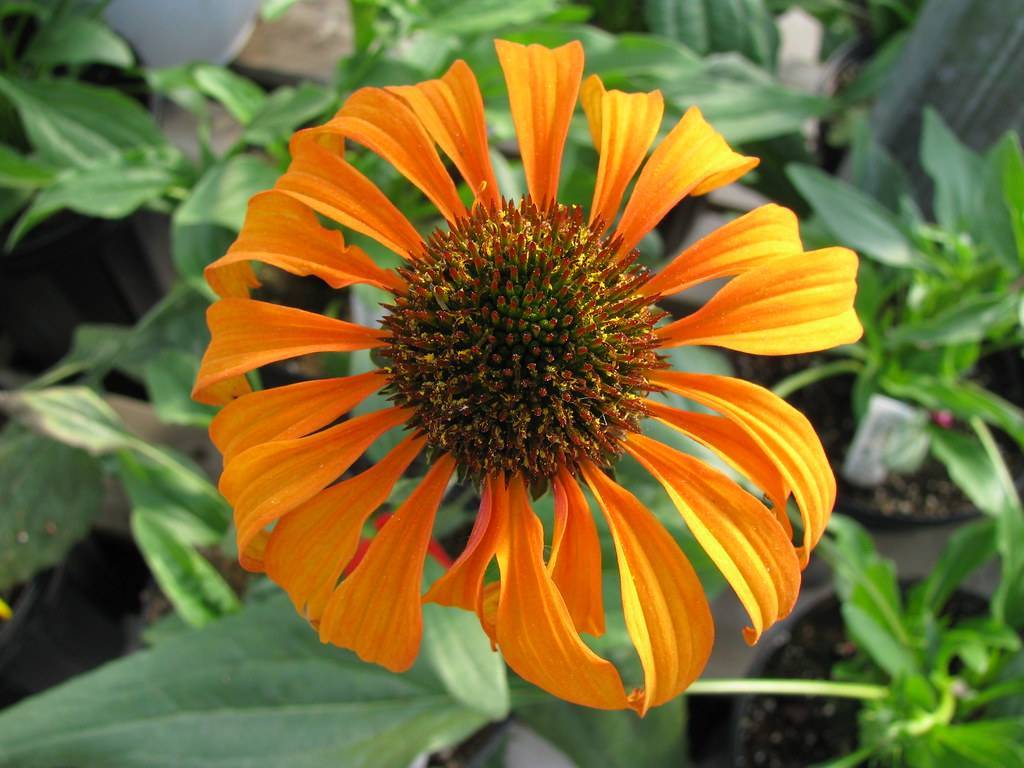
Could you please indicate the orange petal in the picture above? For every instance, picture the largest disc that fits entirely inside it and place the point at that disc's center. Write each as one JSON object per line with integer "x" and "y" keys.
{"x": 734, "y": 446}
{"x": 542, "y": 87}
{"x": 233, "y": 280}
{"x": 575, "y": 562}
{"x": 461, "y": 585}
{"x": 247, "y": 334}
{"x": 533, "y": 627}
{"x": 283, "y": 413}
{"x": 385, "y": 124}
{"x": 223, "y": 391}
{"x": 376, "y": 611}
{"x": 251, "y": 556}
{"x": 692, "y": 159}
{"x": 330, "y": 186}
{"x": 269, "y": 480}
{"x": 623, "y": 126}
{"x": 737, "y": 531}
{"x": 312, "y": 544}
{"x": 667, "y": 614}
{"x": 754, "y": 239}
{"x": 284, "y": 233}
{"x": 452, "y": 111}
{"x": 783, "y": 433}
{"x": 797, "y": 304}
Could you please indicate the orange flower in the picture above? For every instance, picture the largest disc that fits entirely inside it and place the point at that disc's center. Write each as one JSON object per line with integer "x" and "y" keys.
{"x": 520, "y": 348}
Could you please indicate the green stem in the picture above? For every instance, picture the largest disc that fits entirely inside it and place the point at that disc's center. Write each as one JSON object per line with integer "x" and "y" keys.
{"x": 813, "y": 375}
{"x": 719, "y": 686}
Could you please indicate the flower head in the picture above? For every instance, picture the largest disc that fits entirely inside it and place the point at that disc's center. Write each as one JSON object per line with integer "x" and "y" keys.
{"x": 520, "y": 350}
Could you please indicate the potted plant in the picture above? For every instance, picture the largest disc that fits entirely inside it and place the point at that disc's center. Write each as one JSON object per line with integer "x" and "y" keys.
{"x": 940, "y": 304}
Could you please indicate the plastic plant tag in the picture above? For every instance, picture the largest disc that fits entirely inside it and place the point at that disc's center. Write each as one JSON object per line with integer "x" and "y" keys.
{"x": 892, "y": 436}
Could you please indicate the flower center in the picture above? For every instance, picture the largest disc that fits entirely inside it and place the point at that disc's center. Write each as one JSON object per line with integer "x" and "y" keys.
{"x": 522, "y": 342}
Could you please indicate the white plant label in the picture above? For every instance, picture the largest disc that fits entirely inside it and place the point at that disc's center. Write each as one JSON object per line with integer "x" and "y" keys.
{"x": 891, "y": 436}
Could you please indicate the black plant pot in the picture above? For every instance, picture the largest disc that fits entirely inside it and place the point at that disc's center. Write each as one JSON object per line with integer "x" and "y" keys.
{"x": 72, "y": 618}
{"x": 68, "y": 271}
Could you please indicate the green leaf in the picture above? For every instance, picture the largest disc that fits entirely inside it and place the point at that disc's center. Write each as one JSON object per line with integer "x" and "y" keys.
{"x": 459, "y": 651}
{"x": 967, "y": 550}
{"x": 76, "y": 124}
{"x": 199, "y": 594}
{"x": 239, "y": 95}
{"x": 169, "y": 376}
{"x": 874, "y": 171}
{"x": 285, "y": 110}
{"x": 73, "y": 39}
{"x": 220, "y": 197}
{"x": 970, "y": 468}
{"x": 22, "y": 172}
{"x": 75, "y": 416}
{"x": 965, "y": 399}
{"x": 112, "y": 189}
{"x": 974, "y": 318}
{"x": 169, "y": 486}
{"x": 592, "y": 737}
{"x": 254, "y": 689}
{"x": 853, "y": 217}
{"x": 986, "y": 744}
{"x": 51, "y": 493}
{"x": 272, "y": 10}
{"x": 470, "y": 17}
{"x": 1012, "y": 173}
{"x": 718, "y": 26}
{"x": 888, "y": 651}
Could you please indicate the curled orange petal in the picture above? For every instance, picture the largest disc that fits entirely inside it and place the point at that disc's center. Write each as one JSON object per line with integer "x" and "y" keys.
{"x": 284, "y": 233}
{"x": 543, "y": 84}
{"x": 737, "y": 531}
{"x": 785, "y": 435}
{"x": 692, "y": 159}
{"x": 377, "y": 611}
{"x": 575, "y": 561}
{"x": 623, "y": 126}
{"x": 385, "y": 124}
{"x": 533, "y": 628}
{"x": 269, "y": 480}
{"x": 667, "y": 614}
{"x": 246, "y": 334}
{"x": 752, "y": 240}
{"x": 797, "y": 304}
{"x": 333, "y": 188}
{"x": 734, "y": 446}
{"x": 286, "y": 412}
{"x": 460, "y": 586}
{"x": 452, "y": 111}
{"x": 311, "y": 545}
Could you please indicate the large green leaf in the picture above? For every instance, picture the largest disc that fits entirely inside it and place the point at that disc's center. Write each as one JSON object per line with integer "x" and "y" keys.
{"x": 72, "y": 123}
{"x": 51, "y": 493}
{"x": 967, "y": 550}
{"x": 169, "y": 376}
{"x": 466, "y": 17}
{"x": 239, "y": 95}
{"x": 970, "y": 468}
{"x": 251, "y": 690}
{"x": 853, "y": 217}
{"x": 76, "y": 416}
{"x": 974, "y": 318}
{"x": 221, "y": 195}
{"x": 718, "y": 26}
{"x": 22, "y": 172}
{"x": 112, "y": 189}
{"x": 591, "y": 737}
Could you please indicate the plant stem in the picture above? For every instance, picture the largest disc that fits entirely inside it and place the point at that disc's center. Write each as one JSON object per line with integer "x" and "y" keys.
{"x": 813, "y": 375}
{"x": 863, "y": 691}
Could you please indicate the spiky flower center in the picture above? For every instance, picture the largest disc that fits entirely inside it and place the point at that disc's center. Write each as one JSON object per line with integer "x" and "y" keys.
{"x": 522, "y": 341}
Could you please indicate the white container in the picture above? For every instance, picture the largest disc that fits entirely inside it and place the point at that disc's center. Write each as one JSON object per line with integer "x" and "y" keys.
{"x": 166, "y": 33}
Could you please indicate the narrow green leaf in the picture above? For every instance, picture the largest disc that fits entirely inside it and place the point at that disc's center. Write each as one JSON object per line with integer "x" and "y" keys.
{"x": 75, "y": 416}
{"x": 967, "y": 550}
{"x": 22, "y": 172}
{"x": 970, "y": 468}
{"x": 169, "y": 376}
{"x": 285, "y": 110}
{"x": 239, "y": 95}
{"x": 199, "y": 594}
{"x": 973, "y": 319}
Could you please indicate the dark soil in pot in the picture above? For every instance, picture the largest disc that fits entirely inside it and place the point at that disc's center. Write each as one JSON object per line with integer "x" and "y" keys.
{"x": 68, "y": 271}
{"x": 928, "y": 496}
{"x": 72, "y": 618}
{"x": 797, "y": 731}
